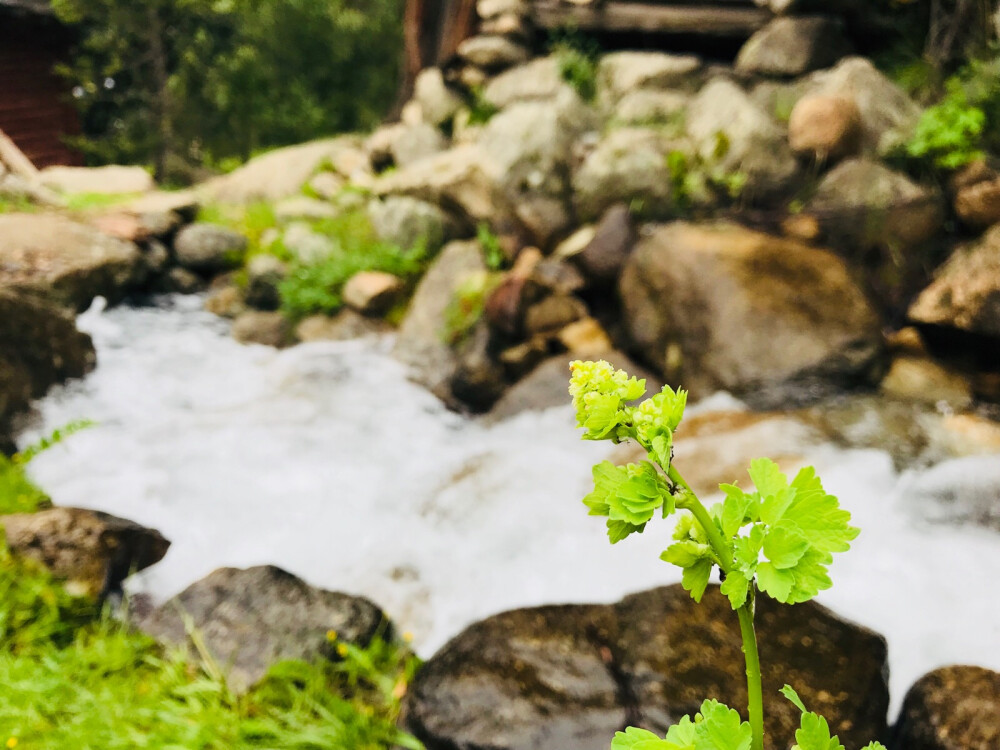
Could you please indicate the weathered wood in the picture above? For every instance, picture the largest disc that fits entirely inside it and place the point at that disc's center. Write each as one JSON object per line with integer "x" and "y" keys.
{"x": 14, "y": 159}
{"x": 724, "y": 21}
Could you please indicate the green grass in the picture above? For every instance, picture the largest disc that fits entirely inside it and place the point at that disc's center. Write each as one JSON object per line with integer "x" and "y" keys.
{"x": 96, "y": 201}
{"x": 18, "y": 494}
{"x": 19, "y": 204}
{"x": 252, "y": 221}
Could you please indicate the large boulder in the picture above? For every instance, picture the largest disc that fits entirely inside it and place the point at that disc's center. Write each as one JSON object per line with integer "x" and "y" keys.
{"x": 94, "y": 552}
{"x": 965, "y": 293}
{"x": 112, "y": 179}
{"x": 604, "y": 256}
{"x": 492, "y": 52}
{"x": 264, "y": 328}
{"x": 67, "y": 262}
{"x": 407, "y": 222}
{"x": 413, "y": 143}
{"x": 251, "y": 619}
{"x": 422, "y": 342}
{"x": 568, "y": 677}
{"x": 825, "y": 128}
{"x": 951, "y": 708}
{"x": 628, "y": 166}
{"x": 721, "y": 307}
{"x": 39, "y": 347}
{"x": 539, "y": 79}
{"x": 793, "y": 46}
{"x": 208, "y": 248}
{"x": 621, "y": 73}
{"x": 438, "y": 103}
{"x": 734, "y": 135}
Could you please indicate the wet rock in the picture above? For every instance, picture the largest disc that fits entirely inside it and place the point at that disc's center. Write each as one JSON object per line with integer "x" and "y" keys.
{"x": 67, "y": 262}
{"x": 226, "y": 302}
{"x": 861, "y": 203}
{"x": 438, "y": 103}
{"x": 553, "y": 313}
{"x": 478, "y": 379}
{"x": 629, "y": 165}
{"x": 570, "y": 676}
{"x": 492, "y": 52}
{"x": 585, "y": 338}
{"x": 721, "y": 307}
{"x": 208, "y": 248}
{"x": 976, "y": 191}
{"x": 422, "y": 339}
{"x": 407, "y": 222}
{"x": 109, "y": 180}
{"x": 345, "y": 325}
{"x": 621, "y": 73}
{"x": 557, "y": 276}
{"x": 264, "y": 276}
{"x": 251, "y": 619}
{"x": 179, "y": 281}
{"x": 825, "y": 128}
{"x": 965, "y": 293}
{"x": 751, "y": 142}
{"x": 267, "y": 328}
{"x": 603, "y": 257}
{"x": 952, "y": 708}
{"x": 793, "y": 46}
{"x": 40, "y": 346}
{"x": 504, "y": 310}
{"x": 93, "y": 551}
{"x": 916, "y": 378}
{"x": 372, "y": 292}
{"x": 539, "y": 79}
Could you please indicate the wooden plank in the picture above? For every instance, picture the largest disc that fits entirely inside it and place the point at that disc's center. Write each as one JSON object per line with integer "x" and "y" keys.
{"x": 15, "y": 160}
{"x": 653, "y": 19}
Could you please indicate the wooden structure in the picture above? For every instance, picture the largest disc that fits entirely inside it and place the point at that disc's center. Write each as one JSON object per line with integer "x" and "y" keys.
{"x": 723, "y": 18}
{"x": 35, "y": 107}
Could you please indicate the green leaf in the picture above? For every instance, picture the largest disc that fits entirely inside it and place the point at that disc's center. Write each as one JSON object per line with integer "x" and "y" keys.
{"x": 874, "y": 746}
{"x": 818, "y": 515}
{"x": 746, "y": 549}
{"x": 687, "y": 553}
{"x": 776, "y": 583}
{"x": 784, "y": 546}
{"x": 773, "y": 507}
{"x": 695, "y": 578}
{"x": 767, "y": 477}
{"x": 636, "y": 499}
{"x": 811, "y": 576}
{"x": 602, "y": 416}
{"x": 662, "y": 449}
{"x": 789, "y": 692}
{"x": 682, "y": 734}
{"x": 734, "y": 510}
{"x": 607, "y": 478}
{"x": 634, "y": 738}
{"x": 722, "y": 729}
{"x": 814, "y": 734}
{"x": 619, "y": 530}
{"x": 736, "y": 587}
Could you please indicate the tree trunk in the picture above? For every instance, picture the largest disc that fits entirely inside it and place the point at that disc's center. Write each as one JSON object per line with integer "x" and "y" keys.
{"x": 161, "y": 80}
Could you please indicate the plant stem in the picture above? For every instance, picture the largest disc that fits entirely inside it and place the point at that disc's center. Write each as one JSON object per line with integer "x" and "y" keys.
{"x": 755, "y": 694}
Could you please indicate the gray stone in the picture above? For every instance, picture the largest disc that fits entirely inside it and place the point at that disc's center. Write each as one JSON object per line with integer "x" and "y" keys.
{"x": 825, "y": 128}
{"x": 629, "y": 165}
{"x": 793, "y": 46}
{"x": 539, "y": 79}
{"x": 108, "y": 180}
{"x": 304, "y": 207}
{"x": 208, "y": 248}
{"x": 266, "y": 328}
{"x": 605, "y": 255}
{"x": 721, "y": 307}
{"x": 251, "y": 619}
{"x": 492, "y": 52}
{"x": 621, "y": 73}
{"x": 488, "y": 9}
{"x": 438, "y": 103}
{"x": 407, "y": 222}
{"x": 345, "y": 325}
{"x": 951, "y": 708}
{"x": 642, "y": 107}
{"x": 734, "y": 135}
{"x": 571, "y": 676}
{"x": 308, "y": 246}
{"x": 264, "y": 276}
{"x": 414, "y": 143}
{"x": 94, "y": 552}
{"x": 478, "y": 379}
{"x": 67, "y": 262}
{"x": 373, "y": 292}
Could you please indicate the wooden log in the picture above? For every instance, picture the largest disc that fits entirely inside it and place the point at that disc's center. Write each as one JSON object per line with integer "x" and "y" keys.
{"x": 721, "y": 21}
{"x": 15, "y": 160}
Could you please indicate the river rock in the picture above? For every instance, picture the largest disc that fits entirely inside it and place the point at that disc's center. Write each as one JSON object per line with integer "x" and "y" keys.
{"x": 585, "y": 338}
{"x": 226, "y": 301}
{"x": 721, "y": 307}
{"x": 264, "y": 276}
{"x": 539, "y": 79}
{"x": 266, "y": 328}
{"x": 414, "y": 143}
{"x": 557, "y": 276}
{"x": 620, "y": 73}
{"x": 112, "y": 179}
{"x": 603, "y": 257}
{"x": 793, "y": 46}
{"x": 628, "y": 166}
{"x": 40, "y": 346}
{"x": 976, "y": 190}
{"x": 372, "y": 292}
{"x": 825, "y": 128}
{"x": 251, "y": 619}
{"x": 408, "y": 222}
{"x": 307, "y": 245}
{"x": 489, "y": 9}
{"x": 951, "y": 708}
{"x": 570, "y": 676}
{"x": 93, "y": 551}
{"x": 345, "y": 325}
{"x": 438, "y": 103}
{"x": 734, "y": 135}
{"x": 209, "y": 248}
{"x": 421, "y": 342}
{"x": 553, "y": 313}
{"x": 492, "y": 52}
{"x": 920, "y": 378}
{"x": 478, "y": 379}
{"x": 862, "y": 203}
{"x": 303, "y": 207}
{"x": 965, "y": 293}
{"x": 643, "y": 107}
{"x": 67, "y": 262}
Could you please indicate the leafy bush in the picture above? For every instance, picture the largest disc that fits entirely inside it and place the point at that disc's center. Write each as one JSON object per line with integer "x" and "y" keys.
{"x": 777, "y": 540}
{"x": 578, "y": 69}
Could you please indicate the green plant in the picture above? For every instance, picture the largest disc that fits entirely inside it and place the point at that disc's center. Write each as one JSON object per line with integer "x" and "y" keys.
{"x": 778, "y": 540}
{"x": 18, "y": 494}
{"x": 481, "y": 111}
{"x": 466, "y": 306}
{"x": 578, "y": 68}
{"x": 489, "y": 243}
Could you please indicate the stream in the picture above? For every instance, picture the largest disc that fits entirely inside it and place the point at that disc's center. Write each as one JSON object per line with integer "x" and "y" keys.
{"x": 325, "y": 460}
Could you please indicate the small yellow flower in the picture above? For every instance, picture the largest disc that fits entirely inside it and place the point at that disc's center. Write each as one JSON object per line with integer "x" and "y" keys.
{"x": 11, "y": 743}
{"x": 408, "y": 636}
{"x": 331, "y": 635}
{"x": 342, "y": 649}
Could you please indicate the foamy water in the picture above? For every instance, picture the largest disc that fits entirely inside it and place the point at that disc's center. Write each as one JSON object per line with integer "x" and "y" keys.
{"x": 325, "y": 460}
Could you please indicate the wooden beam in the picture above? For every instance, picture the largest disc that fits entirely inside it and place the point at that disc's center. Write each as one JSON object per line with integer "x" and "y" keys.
{"x": 653, "y": 19}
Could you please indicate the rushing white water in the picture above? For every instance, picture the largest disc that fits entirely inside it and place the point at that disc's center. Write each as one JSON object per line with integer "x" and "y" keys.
{"x": 325, "y": 460}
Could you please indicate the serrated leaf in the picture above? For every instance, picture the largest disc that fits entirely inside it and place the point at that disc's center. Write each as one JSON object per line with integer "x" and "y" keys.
{"x": 734, "y": 510}
{"x": 736, "y": 587}
{"x": 784, "y": 546}
{"x": 789, "y": 692}
{"x": 773, "y": 507}
{"x": 682, "y": 734}
{"x": 874, "y": 746}
{"x": 811, "y": 576}
{"x": 722, "y": 729}
{"x": 634, "y": 738}
{"x": 602, "y": 416}
{"x": 746, "y": 549}
{"x": 774, "y": 582}
{"x": 818, "y": 515}
{"x": 619, "y": 530}
{"x": 662, "y": 449}
{"x": 814, "y": 734}
{"x": 767, "y": 477}
{"x": 695, "y": 578}
{"x": 687, "y": 553}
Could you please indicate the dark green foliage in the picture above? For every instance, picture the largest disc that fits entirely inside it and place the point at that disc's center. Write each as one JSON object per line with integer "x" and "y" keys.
{"x": 493, "y": 254}
{"x": 577, "y": 56}
{"x": 178, "y": 82}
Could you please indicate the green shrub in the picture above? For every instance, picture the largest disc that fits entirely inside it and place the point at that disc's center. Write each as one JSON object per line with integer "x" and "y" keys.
{"x": 578, "y": 69}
